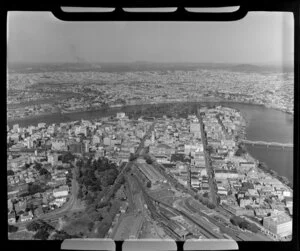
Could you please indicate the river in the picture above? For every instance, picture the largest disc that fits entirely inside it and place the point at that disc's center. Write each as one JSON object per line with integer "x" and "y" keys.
{"x": 270, "y": 125}
{"x": 263, "y": 124}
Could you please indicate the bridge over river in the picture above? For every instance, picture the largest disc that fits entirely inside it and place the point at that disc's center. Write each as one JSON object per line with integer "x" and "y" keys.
{"x": 265, "y": 143}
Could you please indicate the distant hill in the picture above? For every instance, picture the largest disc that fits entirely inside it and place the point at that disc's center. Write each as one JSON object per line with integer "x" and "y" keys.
{"x": 246, "y": 68}
{"x": 141, "y": 66}
{"x": 250, "y": 68}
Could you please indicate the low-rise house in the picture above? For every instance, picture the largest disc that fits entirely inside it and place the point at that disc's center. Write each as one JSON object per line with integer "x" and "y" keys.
{"x": 38, "y": 212}
{"x": 27, "y": 216}
{"x": 61, "y": 191}
{"x": 12, "y": 218}
{"x": 20, "y": 206}
{"x": 9, "y": 205}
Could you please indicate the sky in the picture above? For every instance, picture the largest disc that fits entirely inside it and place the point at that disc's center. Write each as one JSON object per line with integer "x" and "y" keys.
{"x": 258, "y": 38}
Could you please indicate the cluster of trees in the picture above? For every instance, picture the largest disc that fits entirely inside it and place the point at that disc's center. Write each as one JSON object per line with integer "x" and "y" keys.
{"x": 42, "y": 171}
{"x": 204, "y": 200}
{"x": 62, "y": 235}
{"x": 12, "y": 228}
{"x": 93, "y": 176}
{"x": 42, "y": 229}
{"x": 241, "y": 150}
{"x": 148, "y": 159}
{"x": 133, "y": 157}
{"x": 96, "y": 217}
{"x": 247, "y": 185}
{"x": 34, "y": 188}
{"x": 10, "y": 173}
{"x": 207, "y": 203}
{"x": 148, "y": 184}
{"x": 179, "y": 110}
{"x": 179, "y": 157}
{"x": 67, "y": 158}
{"x": 37, "y": 166}
{"x": 238, "y": 221}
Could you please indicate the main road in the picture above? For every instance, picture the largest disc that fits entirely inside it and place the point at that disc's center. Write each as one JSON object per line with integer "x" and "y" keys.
{"x": 210, "y": 172}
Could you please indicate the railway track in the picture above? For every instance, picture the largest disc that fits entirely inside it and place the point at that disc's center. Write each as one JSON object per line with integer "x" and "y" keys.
{"x": 162, "y": 219}
{"x": 206, "y": 232}
{"x": 234, "y": 235}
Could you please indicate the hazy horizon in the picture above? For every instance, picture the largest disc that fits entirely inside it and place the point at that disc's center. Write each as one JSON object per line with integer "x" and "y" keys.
{"x": 258, "y": 39}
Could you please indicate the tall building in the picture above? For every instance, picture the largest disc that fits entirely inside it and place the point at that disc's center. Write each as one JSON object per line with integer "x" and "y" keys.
{"x": 153, "y": 137}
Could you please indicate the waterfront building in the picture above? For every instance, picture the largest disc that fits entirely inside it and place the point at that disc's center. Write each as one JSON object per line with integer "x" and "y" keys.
{"x": 280, "y": 224}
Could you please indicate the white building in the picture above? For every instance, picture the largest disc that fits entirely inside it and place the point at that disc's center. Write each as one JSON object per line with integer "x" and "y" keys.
{"x": 61, "y": 191}
{"x": 280, "y": 224}
{"x": 120, "y": 115}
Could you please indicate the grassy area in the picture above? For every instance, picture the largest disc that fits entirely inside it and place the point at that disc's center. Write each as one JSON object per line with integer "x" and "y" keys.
{"x": 22, "y": 235}
{"x": 81, "y": 226}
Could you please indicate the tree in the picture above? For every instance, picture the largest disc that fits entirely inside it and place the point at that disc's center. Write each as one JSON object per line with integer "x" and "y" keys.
{"x": 132, "y": 157}
{"x": 211, "y": 205}
{"x": 26, "y": 165}
{"x": 39, "y": 225}
{"x": 12, "y": 229}
{"x": 62, "y": 235}
{"x": 122, "y": 180}
{"x": 236, "y": 220}
{"x": 149, "y": 161}
{"x": 68, "y": 157}
{"x": 37, "y": 166}
{"x": 43, "y": 171}
{"x": 205, "y": 195}
{"x": 148, "y": 183}
{"x": 10, "y": 172}
{"x": 243, "y": 224}
{"x": 241, "y": 150}
{"x": 20, "y": 212}
{"x": 34, "y": 188}
{"x": 41, "y": 235}
{"x": 268, "y": 200}
{"x": 253, "y": 228}
{"x": 247, "y": 185}
{"x": 33, "y": 226}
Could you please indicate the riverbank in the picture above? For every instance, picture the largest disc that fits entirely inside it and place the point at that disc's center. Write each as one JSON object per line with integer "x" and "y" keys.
{"x": 264, "y": 168}
{"x": 260, "y": 164}
{"x": 140, "y": 106}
